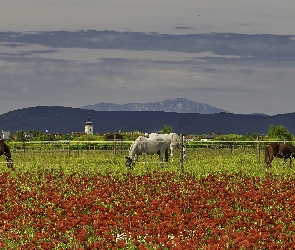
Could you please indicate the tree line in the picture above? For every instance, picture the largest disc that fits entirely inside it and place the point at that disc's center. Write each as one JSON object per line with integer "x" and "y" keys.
{"x": 274, "y": 133}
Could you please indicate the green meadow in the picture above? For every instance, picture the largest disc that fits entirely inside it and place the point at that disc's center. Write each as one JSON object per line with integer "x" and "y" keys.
{"x": 200, "y": 162}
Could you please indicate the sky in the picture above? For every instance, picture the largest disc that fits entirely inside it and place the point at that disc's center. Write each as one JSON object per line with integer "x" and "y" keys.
{"x": 233, "y": 55}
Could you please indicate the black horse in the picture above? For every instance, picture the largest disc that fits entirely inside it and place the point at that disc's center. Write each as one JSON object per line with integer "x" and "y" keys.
{"x": 4, "y": 150}
{"x": 274, "y": 149}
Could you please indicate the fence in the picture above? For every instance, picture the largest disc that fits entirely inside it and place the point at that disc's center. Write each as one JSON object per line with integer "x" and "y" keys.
{"x": 119, "y": 145}
{"x": 111, "y": 144}
{"x": 69, "y": 146}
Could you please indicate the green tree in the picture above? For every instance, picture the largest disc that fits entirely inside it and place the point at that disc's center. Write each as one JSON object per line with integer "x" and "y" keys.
{"x": 229, "y": 137}
{"x": 111, "y": 136}
{"x": 20, "y": 135}
{"x": 91, "y": 138}
{"x": 11, "y": 135}
{"x": 166, "y": 129}
{"x": 44, "y": 137}
{"x": 131, "y": 136}
{"x": 279, "y": 133}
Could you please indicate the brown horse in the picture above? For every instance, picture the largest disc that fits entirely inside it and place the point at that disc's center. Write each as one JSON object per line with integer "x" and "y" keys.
{"x": 274, "y": 149}
{"x": 4, "y": 150}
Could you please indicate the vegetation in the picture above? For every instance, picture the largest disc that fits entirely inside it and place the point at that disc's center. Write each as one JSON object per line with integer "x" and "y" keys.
{"x": 166, "y": 129}
{"x": 90, "y": 200}
{"x": 223, "y": 197}
{"x": 274, "y": 133}
{"x": 200, "y": 162}
{"x": 31, "y": 135}
{"x": 279, "y": 133}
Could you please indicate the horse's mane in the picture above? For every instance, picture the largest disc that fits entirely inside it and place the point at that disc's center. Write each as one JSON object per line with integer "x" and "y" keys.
{"x": 135, "y": 143}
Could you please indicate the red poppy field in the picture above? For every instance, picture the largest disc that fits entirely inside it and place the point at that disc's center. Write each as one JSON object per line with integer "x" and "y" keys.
{"x": 156, "y": 210}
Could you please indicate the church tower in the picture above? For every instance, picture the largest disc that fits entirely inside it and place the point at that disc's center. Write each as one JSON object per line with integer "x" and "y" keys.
{"x": 88, "y": 126}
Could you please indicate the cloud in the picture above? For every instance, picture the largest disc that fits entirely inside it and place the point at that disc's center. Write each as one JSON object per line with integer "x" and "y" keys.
{"x": 86, "y": 67}
{"x": 170, "y": 17}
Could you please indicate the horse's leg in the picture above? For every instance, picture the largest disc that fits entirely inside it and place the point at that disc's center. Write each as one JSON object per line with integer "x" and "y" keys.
{"x": 266, "y": 155}
{"x": 267, "y": 158}
{"x": 166, "y": 155}
{"x": 9, "y": 161}
{"x": 135, "y": 160}
{"x": 161, "y": 153}
{"x": 269, "y": 161}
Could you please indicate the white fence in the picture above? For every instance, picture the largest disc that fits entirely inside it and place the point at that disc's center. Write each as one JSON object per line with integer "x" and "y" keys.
{"x": 124, "y": 145}
{"x": 121, "y": 147}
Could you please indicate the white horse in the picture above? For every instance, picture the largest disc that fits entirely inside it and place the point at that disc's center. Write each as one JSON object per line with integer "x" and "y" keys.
{"x": 173, "y": 140}
{"x": 146, "y": 146}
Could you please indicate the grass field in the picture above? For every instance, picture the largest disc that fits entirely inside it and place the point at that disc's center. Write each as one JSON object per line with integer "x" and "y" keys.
{"x": 199, "y": 162}
{"x": 91, "y": 200}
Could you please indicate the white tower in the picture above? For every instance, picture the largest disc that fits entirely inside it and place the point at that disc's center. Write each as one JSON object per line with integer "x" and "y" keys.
{"x": 89, "y": 127}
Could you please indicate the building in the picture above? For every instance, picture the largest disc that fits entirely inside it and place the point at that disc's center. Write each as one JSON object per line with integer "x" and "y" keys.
{"x": 5, "y": 135}
{"x": 89, "y": 127}
{"x": 78, "y": 133}
{"x": 189, "y": 137}
{"x": 209, "y": 137}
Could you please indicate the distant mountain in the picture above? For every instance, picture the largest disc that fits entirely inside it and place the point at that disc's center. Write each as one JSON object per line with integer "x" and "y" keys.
{"x": 65, "y": 120}
{"x": 178, "y": 105}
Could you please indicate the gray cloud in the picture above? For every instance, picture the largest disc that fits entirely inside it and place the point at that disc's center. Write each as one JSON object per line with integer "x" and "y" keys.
{"x": 236, "y": 72}
{"x": 248, "y": 17}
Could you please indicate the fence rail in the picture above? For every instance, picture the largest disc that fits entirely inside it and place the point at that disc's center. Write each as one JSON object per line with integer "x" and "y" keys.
{"x": 125, "y": 145}
{"x": 118, "y": 146}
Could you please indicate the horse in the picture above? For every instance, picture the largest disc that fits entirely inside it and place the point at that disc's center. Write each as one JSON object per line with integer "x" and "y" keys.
{"x": 4, "y": 150}
{"x": 274, "y": 149}
{"x": 146, "y": 146}
{"x": 174, "y": 142}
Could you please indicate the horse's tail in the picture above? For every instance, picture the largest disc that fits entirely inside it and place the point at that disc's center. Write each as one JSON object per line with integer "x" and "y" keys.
{"x": 292, "y": 149}
{"x": 267, "y": 156}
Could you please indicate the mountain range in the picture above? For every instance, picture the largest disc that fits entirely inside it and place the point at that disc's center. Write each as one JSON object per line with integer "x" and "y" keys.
{"x": 64, "y": 120}
{"x": 178, "y": 105}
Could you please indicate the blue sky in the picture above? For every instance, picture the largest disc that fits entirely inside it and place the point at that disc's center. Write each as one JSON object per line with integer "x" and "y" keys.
{"x": 234, "y": 55}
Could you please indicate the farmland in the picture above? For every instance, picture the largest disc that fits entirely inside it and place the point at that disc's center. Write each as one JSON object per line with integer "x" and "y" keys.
{"x": 88, "y": 199}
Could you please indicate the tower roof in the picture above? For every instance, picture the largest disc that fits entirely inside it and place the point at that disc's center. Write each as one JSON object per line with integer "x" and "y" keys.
{"x": 88, "y": 121}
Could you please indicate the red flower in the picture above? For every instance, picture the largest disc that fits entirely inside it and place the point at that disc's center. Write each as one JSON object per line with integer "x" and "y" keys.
{"x": 81, "y": 235}
{"x": 142, "y": 247}
{"x": 121, "y": 243}
{"x": 148, "y": 238}
{"x": 136, "y": 243}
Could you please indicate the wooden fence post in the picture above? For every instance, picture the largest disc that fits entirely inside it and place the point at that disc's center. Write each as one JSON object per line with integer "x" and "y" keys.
{"x": 114, "y": 146}
{"x": 69, "y": 149}
{"x": 232, "y": 148}
{"x": 181, "y": 154}
{"x": 24, "y": 146}
{"x": 78, "y": 145}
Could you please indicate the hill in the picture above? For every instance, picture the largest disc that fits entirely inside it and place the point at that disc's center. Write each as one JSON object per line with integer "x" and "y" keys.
{"x": 66, "y": 120}
{"x": 178, "y": 105}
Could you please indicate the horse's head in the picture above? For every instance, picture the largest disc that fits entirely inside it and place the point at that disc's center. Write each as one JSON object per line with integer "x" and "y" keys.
{"x": 129, "y": 162}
